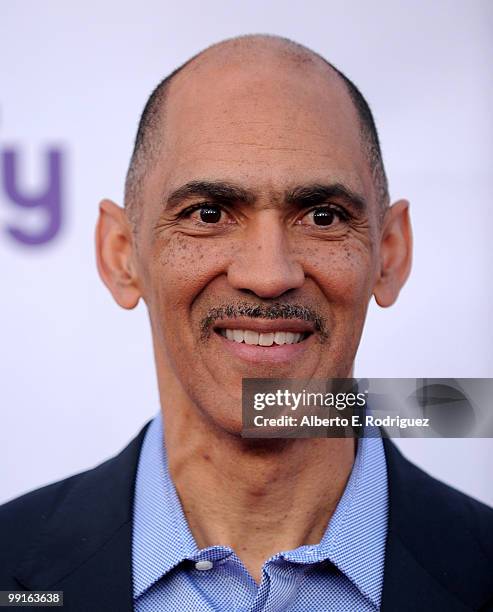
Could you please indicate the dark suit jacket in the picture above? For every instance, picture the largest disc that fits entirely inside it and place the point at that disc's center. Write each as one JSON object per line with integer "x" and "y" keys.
{"x": 75, "y": 536}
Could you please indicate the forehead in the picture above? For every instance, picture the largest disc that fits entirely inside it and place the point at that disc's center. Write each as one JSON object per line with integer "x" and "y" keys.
{"x": 264, "y": 121}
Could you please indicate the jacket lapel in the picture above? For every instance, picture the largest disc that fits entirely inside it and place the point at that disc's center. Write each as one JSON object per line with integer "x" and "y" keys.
{"x": 431, "y": 544}
{"x": 407, "y": 586}
{"x": 84, "y": 547}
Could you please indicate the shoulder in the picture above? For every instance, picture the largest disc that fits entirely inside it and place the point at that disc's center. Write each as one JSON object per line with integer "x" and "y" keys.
{"x": 93, "y": 497}
{"x": 433, "y": 503}
{"x": 22, "y": 518}
{"x": 446, "y": 533}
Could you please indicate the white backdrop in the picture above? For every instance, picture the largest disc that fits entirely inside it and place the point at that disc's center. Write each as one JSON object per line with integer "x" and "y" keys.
{"x": 76, "y": 372}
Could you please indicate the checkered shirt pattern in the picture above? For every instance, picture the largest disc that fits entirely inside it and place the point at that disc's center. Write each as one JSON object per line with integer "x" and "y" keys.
{"x": 343, "y": 572}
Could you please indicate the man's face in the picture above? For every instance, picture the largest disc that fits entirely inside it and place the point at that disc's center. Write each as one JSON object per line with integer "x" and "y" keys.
{"x": 258, "y": 240}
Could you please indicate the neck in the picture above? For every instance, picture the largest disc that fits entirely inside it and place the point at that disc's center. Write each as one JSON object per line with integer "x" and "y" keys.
{"x": 257, "y": 497}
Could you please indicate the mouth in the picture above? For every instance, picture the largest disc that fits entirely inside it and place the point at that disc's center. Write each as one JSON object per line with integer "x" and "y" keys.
{"x": 255, "y": 338}
{"x": 264, "y": 340}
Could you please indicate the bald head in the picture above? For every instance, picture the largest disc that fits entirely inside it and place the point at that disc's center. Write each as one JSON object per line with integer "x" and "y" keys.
{"x": 269, "y": 55}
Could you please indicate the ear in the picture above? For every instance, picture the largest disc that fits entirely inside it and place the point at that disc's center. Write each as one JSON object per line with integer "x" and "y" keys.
{"x": 115, "y": 254}
{"x": 395, "y": 254}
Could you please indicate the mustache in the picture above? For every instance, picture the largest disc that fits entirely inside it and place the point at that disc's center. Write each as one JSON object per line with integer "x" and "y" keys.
{"x": 277, "y": 310}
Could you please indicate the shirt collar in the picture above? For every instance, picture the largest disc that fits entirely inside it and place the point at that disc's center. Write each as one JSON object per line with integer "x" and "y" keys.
{"x": 354, "y": 540}
{"x": 161, "y": 535}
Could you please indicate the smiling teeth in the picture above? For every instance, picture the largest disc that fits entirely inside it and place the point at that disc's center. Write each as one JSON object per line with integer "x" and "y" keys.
{"x": 261, "y": 339}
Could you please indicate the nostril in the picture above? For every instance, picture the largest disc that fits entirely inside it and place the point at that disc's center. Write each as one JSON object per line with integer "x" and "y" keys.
{"x": 248, "y": 292}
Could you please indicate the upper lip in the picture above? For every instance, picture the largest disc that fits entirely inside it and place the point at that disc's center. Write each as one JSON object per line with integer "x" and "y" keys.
{"x": 266, "y": 325}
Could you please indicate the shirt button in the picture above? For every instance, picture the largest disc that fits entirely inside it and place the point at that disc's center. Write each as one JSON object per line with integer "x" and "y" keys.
{"x": 204, "y": 565}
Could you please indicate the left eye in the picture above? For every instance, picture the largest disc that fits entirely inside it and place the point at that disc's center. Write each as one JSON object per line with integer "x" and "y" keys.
{"x": 210, "y": 213}
{"x": 323, "y": 216}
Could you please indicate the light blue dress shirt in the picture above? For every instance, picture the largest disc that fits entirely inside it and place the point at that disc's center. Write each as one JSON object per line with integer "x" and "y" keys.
{"x": 344, "y": 572}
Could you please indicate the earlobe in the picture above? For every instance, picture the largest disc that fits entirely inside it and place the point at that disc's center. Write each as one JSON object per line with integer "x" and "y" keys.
{"x": 115, "y": 254}
{"x": 395, "y": 254}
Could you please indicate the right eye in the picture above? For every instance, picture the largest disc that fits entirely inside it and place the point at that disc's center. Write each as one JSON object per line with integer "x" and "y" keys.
{"x": 210, "y": 214}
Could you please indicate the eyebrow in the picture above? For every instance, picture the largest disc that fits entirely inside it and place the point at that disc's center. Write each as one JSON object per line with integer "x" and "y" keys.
{"x": 306, "y": 196}
{"x": 218, "y": 191}
{"x": 302, "y": 196}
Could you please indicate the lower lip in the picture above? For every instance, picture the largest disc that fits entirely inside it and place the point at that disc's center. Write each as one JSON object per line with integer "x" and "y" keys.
{"x": 265, "y": 354}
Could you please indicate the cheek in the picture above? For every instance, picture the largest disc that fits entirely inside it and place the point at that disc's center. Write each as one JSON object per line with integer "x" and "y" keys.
{"x": 180, "y": 268}
{"x": 343, "y": 272}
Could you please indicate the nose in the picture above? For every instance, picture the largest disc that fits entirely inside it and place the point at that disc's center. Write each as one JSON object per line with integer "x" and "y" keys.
{"x": 263, "y": 263}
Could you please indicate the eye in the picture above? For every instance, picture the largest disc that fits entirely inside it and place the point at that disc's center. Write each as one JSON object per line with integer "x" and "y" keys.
{"x": 209, "y": 213}
{"x": 323, "y": 216}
